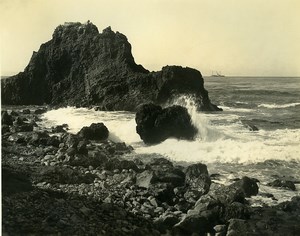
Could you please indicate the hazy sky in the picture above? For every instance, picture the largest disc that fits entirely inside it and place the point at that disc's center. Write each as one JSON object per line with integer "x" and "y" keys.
{"x": 236, "y": 37}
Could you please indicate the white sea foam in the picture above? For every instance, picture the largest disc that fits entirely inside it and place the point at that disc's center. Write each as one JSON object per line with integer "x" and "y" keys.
{"x": 235, "y": 109}
{"x": 225, "y": 143}
{"x": 277, "y": 106}
{"x": 121, "y": 125}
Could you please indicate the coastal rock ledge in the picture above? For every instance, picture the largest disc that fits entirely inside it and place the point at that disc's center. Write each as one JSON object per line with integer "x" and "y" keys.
{"x": 81, "y": 67}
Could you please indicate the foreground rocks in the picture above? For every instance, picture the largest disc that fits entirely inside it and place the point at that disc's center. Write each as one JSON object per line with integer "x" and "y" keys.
{"x": 81, "y": 67}
{"x": 60, "y": 183}
{"x": 155, "y": 124}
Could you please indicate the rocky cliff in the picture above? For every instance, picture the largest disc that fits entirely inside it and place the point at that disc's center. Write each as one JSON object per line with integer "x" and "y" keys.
{"x": 82, "y": 67}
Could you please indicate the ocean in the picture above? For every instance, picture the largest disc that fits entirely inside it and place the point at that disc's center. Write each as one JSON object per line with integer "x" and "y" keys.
{"x": 224, "y": 142}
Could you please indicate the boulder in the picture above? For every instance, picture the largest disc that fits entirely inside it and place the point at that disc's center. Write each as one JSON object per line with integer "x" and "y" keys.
{"x": 6, "y": 119}
{"x": 70, "y": 140}
{"x": 39, "y": 138}
{"x": 58, "y": 129}
{"x": 165, "y": 172}
{"x": 165, "y": 222}
{"x": 280, "y": 183}
{"x": 96, "y": 131}
{"x": 192, "y": 225}
{"x": 81, "y": 67}
{"x": 5, "y": 129}
{"x": 198, "y": 181}
{"x": 26, "y": 111}
{"x": 239, "y": 227}
{"x": 155, "y": 124}
{"x": 40, "y": 111}
{"x": 14, "y": 113}
{"x": 248, "y": 185}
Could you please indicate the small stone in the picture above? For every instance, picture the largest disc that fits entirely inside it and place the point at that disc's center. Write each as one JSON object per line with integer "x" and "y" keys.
{"x": 48, "y": 157}
{"x": 91, "y": 168}
{"x": 153, "y": 202}
{"x": 159, "y": 210}
{"x": 21, "y": 159}
{"x": 220, "y": 228}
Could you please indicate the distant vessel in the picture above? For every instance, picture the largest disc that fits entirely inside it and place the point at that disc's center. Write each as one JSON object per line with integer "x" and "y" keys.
{"x": 216, "y": 74}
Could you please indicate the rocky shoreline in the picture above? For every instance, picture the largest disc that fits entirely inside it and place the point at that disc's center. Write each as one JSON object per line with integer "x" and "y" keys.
{"x": 57, "y": 183}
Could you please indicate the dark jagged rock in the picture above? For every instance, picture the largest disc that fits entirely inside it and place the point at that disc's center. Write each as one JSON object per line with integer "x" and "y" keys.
{"x": 80, "y": 66}
{"x": 249, "y": 125}
{"x": 248, "y": 185}
{"x": 94, "y": 132}
{"x": 280, "y": 183}
{"x": 155, "y": 124}
{"x": 58, "y": 129}
{"x": 14, "y": 113}
{"x": 6, "y": 119}
{"x": 26, "y": 111}
{"x": 160, "y": 170}
{"x": 198, "y": 180}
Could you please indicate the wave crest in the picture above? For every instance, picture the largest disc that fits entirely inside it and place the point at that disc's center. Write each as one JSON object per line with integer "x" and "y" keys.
{"x": 278, "y": 106}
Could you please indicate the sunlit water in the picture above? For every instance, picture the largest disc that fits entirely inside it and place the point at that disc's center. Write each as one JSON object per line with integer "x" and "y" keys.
{"x": 224, "y": 143}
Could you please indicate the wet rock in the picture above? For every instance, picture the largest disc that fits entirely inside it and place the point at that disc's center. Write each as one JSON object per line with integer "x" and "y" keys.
{"x": 163, "y": 192}
{"x": 155, "y": 124}
{"x": 249, "y": 125}
{"x": 53, "y": 141}
{"x": 26, "y": 111}
{"x": 283, "y": 184}
{"x": 81, "y": 147}
{"x": 227, "y": 194}
{"x": 17, "y": 138}
{"x": 248, "y": 186}
{"x": 198, "y": 180}
{"x": 6, "y": 119}
{"x": 39, "y": 138}
{"x": 145, "y": 178}
{"x": 96, "y": 131}
{"x": 71, "y": 140}
{"x": 121, "y": 148}
{"x": 220, "y": 230}
{"x": 5, "y": 129}
{"x": 165, "y": 222}
{"x": 14, "y": 113}
{"x": 40, "y": 111}
{"x": 18, "y": 121}
{"x": 165, "y": 172}
{"x": 236, "y": 210}
{"x": 195, "y": 170}
{"x": 239, "y": 227}
{"x": 58, "y": 129}
{"x": 192, "y": 224}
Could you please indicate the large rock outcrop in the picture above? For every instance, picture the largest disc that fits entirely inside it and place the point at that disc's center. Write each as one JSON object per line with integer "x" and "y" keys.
{"x": 155, "y": 124}
{"x": 80, "y": 66}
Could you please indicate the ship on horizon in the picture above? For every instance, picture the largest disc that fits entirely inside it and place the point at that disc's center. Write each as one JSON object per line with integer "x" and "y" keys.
{"x": 216, "y": 74}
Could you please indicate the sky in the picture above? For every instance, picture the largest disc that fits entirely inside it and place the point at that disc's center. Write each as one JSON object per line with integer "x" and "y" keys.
{"x": 233, "y": 37}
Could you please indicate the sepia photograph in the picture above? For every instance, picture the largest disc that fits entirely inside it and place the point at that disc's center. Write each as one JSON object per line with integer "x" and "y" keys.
{"x": 154, "y": 117}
